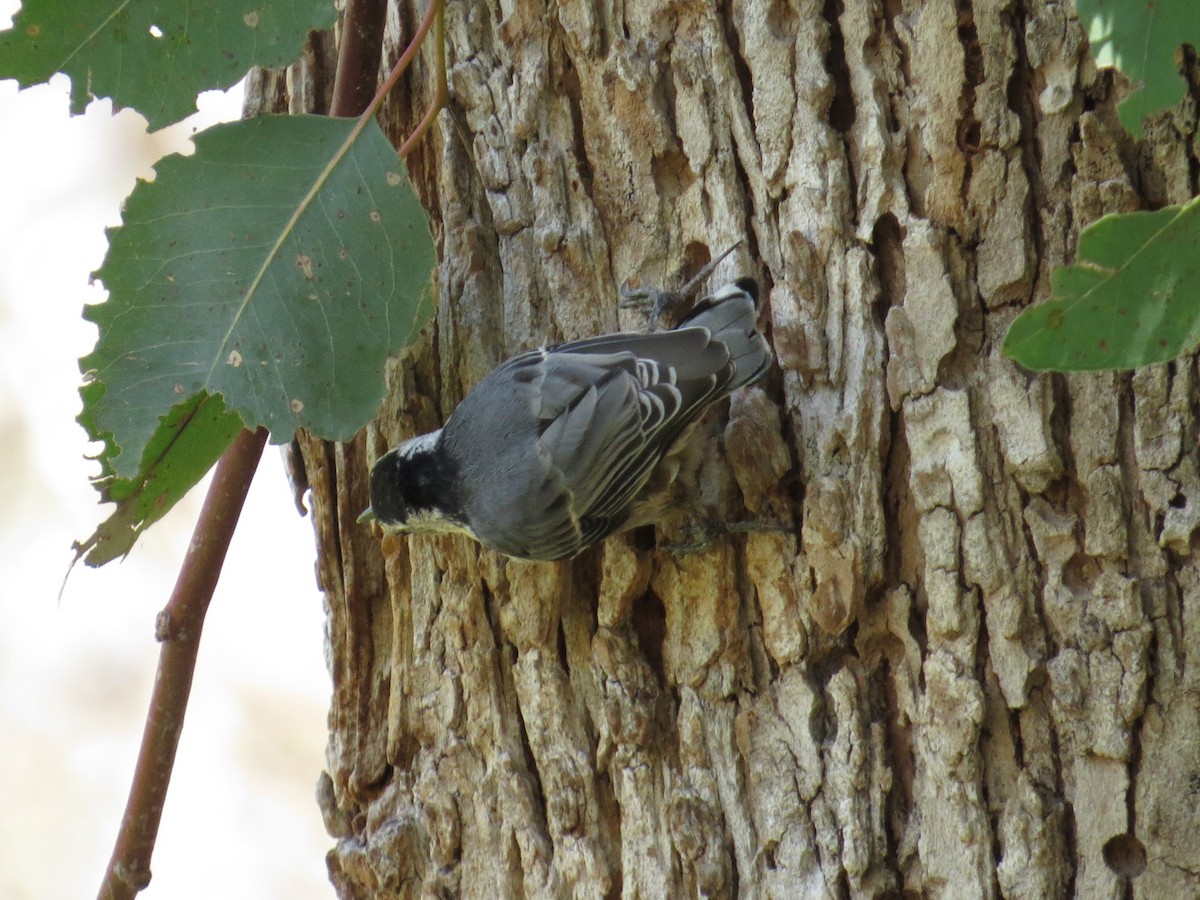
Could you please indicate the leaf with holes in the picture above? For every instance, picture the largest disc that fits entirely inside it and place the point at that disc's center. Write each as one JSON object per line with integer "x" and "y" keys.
{"x": 1131, "y": 300}
{"x": 1142, "y": 40}
{"x": 278, "y": 268}
{"x": 154, "y": 55}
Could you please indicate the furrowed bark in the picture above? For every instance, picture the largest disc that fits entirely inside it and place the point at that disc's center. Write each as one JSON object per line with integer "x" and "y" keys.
{"x": 965, "y": 673}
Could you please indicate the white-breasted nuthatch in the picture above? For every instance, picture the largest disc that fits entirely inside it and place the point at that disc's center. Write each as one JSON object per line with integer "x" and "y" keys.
{"x": 555, "y": 449}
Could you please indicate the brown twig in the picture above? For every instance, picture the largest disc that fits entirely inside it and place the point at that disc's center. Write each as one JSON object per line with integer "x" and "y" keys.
{"x": 359, "y": 53}
{"x": 178, "y": 627}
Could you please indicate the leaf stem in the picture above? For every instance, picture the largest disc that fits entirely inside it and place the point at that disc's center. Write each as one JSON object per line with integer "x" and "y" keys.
{"x": 178, "y": 627}
{"x": 432, "y": 13}
{"x": 441, "y": 92}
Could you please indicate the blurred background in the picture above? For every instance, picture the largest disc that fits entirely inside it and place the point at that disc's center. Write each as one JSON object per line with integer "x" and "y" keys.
{"x": 76, "y": 672}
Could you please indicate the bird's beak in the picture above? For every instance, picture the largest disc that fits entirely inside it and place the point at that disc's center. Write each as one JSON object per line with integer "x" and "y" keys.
{"x": 368, "y": 515}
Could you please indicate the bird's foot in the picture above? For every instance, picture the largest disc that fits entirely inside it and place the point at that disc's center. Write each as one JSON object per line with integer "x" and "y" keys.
{"x": 651, "y": 302}
{"x": 655, "y": 302}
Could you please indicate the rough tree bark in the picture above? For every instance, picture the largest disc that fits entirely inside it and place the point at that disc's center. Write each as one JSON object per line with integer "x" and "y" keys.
{"x": 966, "y": 671}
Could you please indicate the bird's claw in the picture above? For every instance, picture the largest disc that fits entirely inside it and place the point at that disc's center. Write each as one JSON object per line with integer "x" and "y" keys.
{"x": 655, "y": 302}
{"x": 651, "y": 302}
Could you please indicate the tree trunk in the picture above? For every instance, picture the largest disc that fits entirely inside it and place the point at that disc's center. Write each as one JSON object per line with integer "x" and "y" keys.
{"x": 964, "y": 673}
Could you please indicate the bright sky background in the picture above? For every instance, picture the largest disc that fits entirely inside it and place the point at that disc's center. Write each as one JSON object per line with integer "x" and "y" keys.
{"x": 75, "y": 675}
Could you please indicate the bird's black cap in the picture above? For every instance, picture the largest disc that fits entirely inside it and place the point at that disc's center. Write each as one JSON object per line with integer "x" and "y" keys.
{"x": 387, "y": 490}
{"x": 425, "y": 480}
{"x": 750, "y": 286}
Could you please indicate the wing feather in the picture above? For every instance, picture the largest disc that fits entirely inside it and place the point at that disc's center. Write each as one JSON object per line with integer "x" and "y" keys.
{"x": 606, "y": 440}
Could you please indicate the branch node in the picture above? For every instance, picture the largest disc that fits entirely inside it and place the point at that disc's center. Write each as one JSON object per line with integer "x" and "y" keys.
{"x": 137, "y": 877}
{"x": 164, "y": 627}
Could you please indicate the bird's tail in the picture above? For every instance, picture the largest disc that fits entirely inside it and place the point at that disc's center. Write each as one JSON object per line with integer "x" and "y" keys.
{"x": 730, "y": 315}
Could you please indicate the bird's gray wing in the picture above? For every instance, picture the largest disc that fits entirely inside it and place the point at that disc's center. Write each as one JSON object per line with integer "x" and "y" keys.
{"x": 641, "y": 392}
{"x": 514, "y": 497}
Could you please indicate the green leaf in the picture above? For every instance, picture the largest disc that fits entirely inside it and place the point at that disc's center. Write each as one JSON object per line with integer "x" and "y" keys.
{"x": 1142, "y": 39}
{"x": 277, "y": 267}
{"x": 189, "y": 440}
{"x": 1133, "y": 298}
{"x": 108, "y": 49}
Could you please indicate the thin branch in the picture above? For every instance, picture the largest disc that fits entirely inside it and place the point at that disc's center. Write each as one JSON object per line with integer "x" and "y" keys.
{"x": 178, "y": 627}
{"x": 359, "y": 53}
